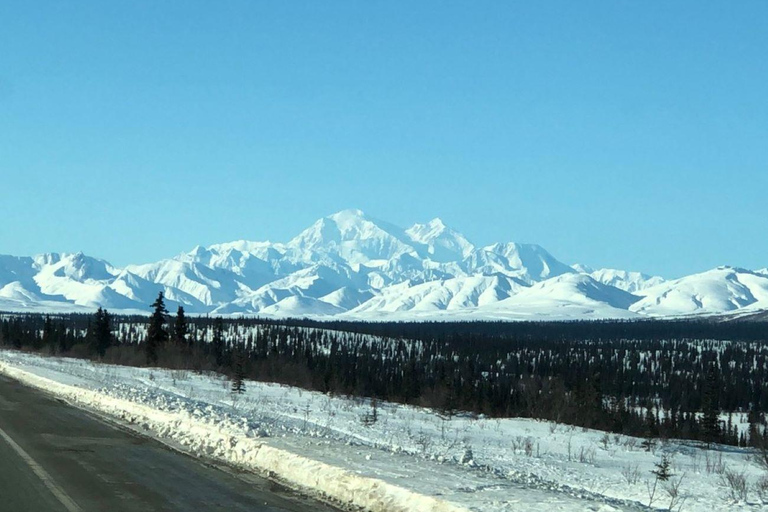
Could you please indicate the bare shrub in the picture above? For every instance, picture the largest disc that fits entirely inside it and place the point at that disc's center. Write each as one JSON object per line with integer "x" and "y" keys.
{"x": 650, "y": 486}
{"x": 525, "y": 444}
{"x": 630, "y": 443}
{"x": 587, "y": 455}
{"x": 695, "y": 462}
{"x": 528, "y": 446}
{"x": 125, "y": 356}
{"x": 80, "y": 351}
{"x": 761, "y": 488}
{"x": 672, "y": 489}
{"x": 736, "y": 484}
{"x": 714, "y": 463}
{"x": 424, "y": 442}
{"x": 179, "y": 375}
{"x": 760, "y": 457}
{"x": 631, "y": 473}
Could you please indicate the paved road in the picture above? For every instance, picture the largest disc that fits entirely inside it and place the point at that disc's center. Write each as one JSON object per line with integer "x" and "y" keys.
{"x": 57, "y": 458}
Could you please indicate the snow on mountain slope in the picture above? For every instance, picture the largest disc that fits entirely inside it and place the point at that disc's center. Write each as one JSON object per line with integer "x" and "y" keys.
{"x": 443, "y": 243}
{"x": 206, "y": 285}
{"x": 353, "y": 265}
{"x": 316, "y": 282}
{"x": 622, "y": 279}
{"x": 529, "y": 262}
{"x": 346, "y": 298}
{"x": 569, "y": 296}
{"x": 16, "y": 291}
{"x": 354, "y": 237}
{"x": 450, "y": 294}
{"x": 295, "y": 306}
{"x": 19, "y": 273}
{"x": 80, "y": 279}
{"x": 716, "y": 291}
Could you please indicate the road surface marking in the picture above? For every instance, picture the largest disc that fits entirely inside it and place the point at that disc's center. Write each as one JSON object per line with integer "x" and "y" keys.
{"x": 43, "y": 475}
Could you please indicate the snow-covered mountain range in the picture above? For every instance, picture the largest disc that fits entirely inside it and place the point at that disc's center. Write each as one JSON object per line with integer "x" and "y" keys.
{"x": 350, "y": 265}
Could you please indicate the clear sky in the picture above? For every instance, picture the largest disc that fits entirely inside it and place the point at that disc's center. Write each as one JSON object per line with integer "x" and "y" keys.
{"x": 622, "y": 134}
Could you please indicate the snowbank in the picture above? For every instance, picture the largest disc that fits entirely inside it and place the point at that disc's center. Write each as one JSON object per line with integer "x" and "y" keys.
{"x": 205, "y": 439}
{"x": 410, "y": 458}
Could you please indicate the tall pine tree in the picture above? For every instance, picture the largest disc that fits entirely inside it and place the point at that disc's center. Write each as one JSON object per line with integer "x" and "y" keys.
{"x": 180, "y": 328}
{"x": 710, "y": 421}
{"x": 156, "y": 333}
{"x": 48, "y": 333}
{"x": 218, "y": 341}
{"x": 102, "y": 332}
{"x": 238, "y": 375}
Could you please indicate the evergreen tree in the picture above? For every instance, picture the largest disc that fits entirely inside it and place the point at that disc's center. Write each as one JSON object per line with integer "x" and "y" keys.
{"x": 101, "y": 337}
{"x": 651, "y": 422}
{"x": 63, "y": 336}
{"x": 180, "y": 328}
{"x": 156, "y": 333}
{"x": 238, "y": 378}
{"x": 48, "y": 333}
{"x": 218, "y": 341}
{"x": 710, "y": 421}
{"x": 663, "y": 469}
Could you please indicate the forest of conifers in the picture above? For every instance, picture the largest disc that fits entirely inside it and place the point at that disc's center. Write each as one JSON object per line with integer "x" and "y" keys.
{"x": 683, "y": 379}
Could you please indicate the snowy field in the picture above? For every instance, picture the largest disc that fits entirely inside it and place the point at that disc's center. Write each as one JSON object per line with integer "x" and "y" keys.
{"x": 409, "y": 458}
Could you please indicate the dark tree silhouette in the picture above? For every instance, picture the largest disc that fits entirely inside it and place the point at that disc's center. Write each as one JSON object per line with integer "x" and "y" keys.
{"x": 101, "y": 338}
{"x": 663, "y": 470}
{"x": 238, "y": 376}
{"x": 710, "y": 421}
{"x": 218, "y": 341}
{"x": 156, "y": 333}
{"x": 180, "y": 328}
{"x": 656, "y": 378}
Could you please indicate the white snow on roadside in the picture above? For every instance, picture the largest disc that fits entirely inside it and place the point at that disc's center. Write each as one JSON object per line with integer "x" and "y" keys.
{"x": 410, "y": 459}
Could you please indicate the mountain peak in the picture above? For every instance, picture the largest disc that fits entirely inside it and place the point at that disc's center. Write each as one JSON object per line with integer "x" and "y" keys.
{"x": 351, "y": 214}
{"x": 354, "y": 236}
{"x": 431, "y": 229}
{"x": 352, "y": 264}
{"x": 437, "y": 223}
{"x": 443, "y": 243}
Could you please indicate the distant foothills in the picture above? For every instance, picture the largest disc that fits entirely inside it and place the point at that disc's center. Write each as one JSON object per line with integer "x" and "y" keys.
{"x": 351, "y": 266}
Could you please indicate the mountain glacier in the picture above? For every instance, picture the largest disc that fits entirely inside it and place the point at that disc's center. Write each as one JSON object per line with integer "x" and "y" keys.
{"x": 349, "y": 265}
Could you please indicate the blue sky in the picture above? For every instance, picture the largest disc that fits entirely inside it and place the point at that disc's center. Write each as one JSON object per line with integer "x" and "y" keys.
{"x": 622, "y": 134}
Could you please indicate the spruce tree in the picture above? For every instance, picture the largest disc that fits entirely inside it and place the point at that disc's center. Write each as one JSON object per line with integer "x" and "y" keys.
{"x": 218, "y": 341}
{"x": 663, "y": 469}
{"x": 651, "y": 422}
{"x": 102, "y": 332}
{"x": 238, "y": 378}
{"x": 180, "y": 328}
{"x": 63, "y": 336}
{"x": 156, "y": 333}
{"x": 710, "y": 421}
{"x": 47, "y": 331}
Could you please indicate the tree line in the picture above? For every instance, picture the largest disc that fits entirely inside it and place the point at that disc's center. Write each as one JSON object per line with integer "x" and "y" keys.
{"x": 695, "y": 382}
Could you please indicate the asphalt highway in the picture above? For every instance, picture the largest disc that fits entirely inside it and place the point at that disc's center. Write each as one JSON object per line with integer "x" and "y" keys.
{"x": 57, "y": 458}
